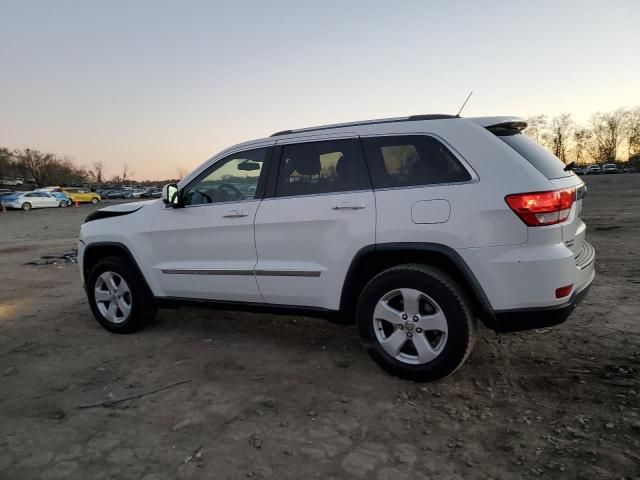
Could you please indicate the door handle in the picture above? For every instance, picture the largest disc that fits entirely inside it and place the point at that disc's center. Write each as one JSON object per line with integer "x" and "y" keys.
{"x": 349, "y": 206}
{"x": 235, "y": 214}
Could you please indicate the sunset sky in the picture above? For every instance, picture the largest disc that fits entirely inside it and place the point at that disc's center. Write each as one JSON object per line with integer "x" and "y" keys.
{"x": 163, "y": 85}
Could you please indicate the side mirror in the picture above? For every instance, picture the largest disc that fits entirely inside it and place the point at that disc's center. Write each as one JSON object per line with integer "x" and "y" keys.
{"x": 170, "y": 194}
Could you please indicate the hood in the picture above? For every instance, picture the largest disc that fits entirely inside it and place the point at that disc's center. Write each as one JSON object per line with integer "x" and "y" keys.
{"x": 118, "y": 210}
{"x": 127, "y": 207}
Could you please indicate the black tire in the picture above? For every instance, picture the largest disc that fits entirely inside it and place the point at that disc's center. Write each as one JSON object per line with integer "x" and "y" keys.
{"x": 26, "y": 206}
{"x": 143, "y": 306}
{"x": 94, "y": 200}
{"x": 450, "y": 298}
{"x": 63, "y": 204}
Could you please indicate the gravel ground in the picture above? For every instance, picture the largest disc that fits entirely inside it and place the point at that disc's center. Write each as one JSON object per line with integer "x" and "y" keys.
{"x": 290, "y": 397}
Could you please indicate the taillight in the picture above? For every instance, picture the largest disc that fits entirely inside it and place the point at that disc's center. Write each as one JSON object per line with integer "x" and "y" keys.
{"x": 542, "y": 208}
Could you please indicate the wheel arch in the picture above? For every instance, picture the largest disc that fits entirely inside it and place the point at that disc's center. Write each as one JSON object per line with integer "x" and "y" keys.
{"x": 373, "y": 259}
{"x": 94, "y": 252}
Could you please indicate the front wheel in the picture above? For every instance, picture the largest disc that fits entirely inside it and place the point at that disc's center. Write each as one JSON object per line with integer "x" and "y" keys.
{"x": 94, "y": 200}
{"x": 26, "y": 206}
{"x": 416, "y": 322}
{"x": 63, "y": 204}
{"x": 118, "y": 296}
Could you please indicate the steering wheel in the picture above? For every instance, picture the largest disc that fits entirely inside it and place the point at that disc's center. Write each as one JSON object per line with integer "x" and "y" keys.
{"x": 232, "y": 187}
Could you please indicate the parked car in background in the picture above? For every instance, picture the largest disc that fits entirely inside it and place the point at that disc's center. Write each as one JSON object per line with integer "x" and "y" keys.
{"x": 594, "y": 169}
{"x": 11, "y": 182}
{"x": 58, "y": 193}
{"x": 152, "y": 192}
{"x": 135, "y": 193}
{"x": 609, "y": 168}
{"x": 580, "y": 171}
{"x": 28, "y": 200}
{"x": 629, "y": 170}
{"x": 81, "y": 195}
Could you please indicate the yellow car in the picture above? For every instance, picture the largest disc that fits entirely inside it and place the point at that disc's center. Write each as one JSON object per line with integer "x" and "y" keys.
{"x": 81, "y": 195}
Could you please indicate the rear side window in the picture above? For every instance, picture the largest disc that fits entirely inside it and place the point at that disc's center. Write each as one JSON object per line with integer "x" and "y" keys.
{"x": 409, "y": 160}
{"x": 321, "y": 167}
{"x": 538, "y": 156}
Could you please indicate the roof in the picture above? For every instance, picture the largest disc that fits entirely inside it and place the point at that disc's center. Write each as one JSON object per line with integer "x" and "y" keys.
{"x": 412, "y": 118}
{"x": 495, "y": 121}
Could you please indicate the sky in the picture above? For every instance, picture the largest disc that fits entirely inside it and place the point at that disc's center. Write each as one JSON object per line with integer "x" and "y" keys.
{"x": 163, "y": 85}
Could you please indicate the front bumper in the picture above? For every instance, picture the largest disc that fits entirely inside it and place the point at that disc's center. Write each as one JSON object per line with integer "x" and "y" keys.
{"x": 531, "y": 318}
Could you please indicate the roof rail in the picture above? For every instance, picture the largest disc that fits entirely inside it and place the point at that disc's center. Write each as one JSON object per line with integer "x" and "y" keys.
{"x": 412, "y": 118}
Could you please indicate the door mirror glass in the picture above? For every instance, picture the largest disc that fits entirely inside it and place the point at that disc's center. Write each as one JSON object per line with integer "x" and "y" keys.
{"x": 170, "y": 194}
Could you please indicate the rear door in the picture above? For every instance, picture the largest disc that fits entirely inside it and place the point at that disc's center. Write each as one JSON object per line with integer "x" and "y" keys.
{"x": 319, "y": 213}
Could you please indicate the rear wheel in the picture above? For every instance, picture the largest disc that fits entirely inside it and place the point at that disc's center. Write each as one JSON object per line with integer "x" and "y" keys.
{"x": 26, "y": 206}
{"x": 416, "y": 322}
{"x": 118, "y": 296}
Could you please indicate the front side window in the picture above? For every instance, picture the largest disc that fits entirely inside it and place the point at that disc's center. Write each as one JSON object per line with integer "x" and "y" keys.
{"x": 232, "y": 179}
{"x": 409, "y": 160}
{"x": 321, "y": 167}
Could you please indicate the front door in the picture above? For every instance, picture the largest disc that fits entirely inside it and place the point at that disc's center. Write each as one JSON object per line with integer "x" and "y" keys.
{"x": 206, "y": 249}
{"x": 319, "y": 214}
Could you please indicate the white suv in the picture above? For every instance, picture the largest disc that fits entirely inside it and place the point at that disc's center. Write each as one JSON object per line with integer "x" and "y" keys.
{"x": 411, "y": 227}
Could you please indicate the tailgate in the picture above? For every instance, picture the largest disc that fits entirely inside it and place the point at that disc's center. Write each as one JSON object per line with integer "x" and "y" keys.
{"x": 573, "y": 229}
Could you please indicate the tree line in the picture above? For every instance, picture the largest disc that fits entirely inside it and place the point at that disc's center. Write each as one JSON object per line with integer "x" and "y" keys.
{"x": 50, "y": 169}
{"x": 607, "y": 137}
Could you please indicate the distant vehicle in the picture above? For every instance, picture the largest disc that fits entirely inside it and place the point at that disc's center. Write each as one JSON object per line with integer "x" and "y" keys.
{"x": 152, "y": 192}
{"x": 629, "y": 170}
{"x": 28, "y": 200}
{"x": 111, "y": 194}
{"x": 58, "y": 193}
{"x": 594, "y": 169}
{"x": 609, "y": 168}
{"x": 4, "y": 192}
{"x": 134, "y": 193}
{"x": 81, "y": 195}
{"x": 580, "y": 171}
{"x": 11, "y": 182}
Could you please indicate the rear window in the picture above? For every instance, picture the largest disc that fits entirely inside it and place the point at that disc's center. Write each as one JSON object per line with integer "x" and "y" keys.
{"x": 538, "y": 156}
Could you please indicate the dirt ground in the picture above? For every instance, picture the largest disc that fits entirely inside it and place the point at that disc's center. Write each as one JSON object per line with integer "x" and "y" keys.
{"x": 287, "y": 397}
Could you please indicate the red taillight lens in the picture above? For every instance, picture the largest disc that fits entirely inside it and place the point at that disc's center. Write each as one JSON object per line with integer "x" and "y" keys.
{"x": 563, "y": 291}
{"x": 542, "y": 208}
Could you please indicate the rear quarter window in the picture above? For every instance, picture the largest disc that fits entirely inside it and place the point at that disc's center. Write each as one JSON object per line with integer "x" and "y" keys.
{"x": 411, "y": 160}
{"x": 538, "y": 156}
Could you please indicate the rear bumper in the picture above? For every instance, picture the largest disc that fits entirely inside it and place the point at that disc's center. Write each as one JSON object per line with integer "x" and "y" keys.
{"x": 541, "y": 317}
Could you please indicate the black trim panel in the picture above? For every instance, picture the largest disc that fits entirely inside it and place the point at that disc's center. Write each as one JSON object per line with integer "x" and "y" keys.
{"x": 532, "y": 318}
{"x": 175, "y": 302}
{"x": 119, "y": 246}
{"x": 100, "y": 214}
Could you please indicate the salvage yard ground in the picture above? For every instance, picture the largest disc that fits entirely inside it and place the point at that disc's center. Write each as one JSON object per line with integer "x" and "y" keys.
{"x": 266, "y": 396}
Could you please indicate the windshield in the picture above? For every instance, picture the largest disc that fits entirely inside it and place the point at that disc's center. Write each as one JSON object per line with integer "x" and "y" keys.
{"x": 538, "y": 156}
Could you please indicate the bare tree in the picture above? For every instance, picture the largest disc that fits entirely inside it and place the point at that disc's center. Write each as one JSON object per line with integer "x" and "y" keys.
{"x": 6, "y": 162}
{"x": 98, "y": 172}
{"x": 633, "y": 132}
{"x": 36, "y": 164}
{"x": 608, "y": 133}
{"x": 581, "y": 138}
{"x": 559, "y": 135}
{"x": 182, "y": 172}
{"x": 536, "y": 126}
{"x": 126, "y": 173}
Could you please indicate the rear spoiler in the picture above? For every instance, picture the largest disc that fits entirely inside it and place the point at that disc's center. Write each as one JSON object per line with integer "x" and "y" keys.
{"x": 501, "y": 125}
